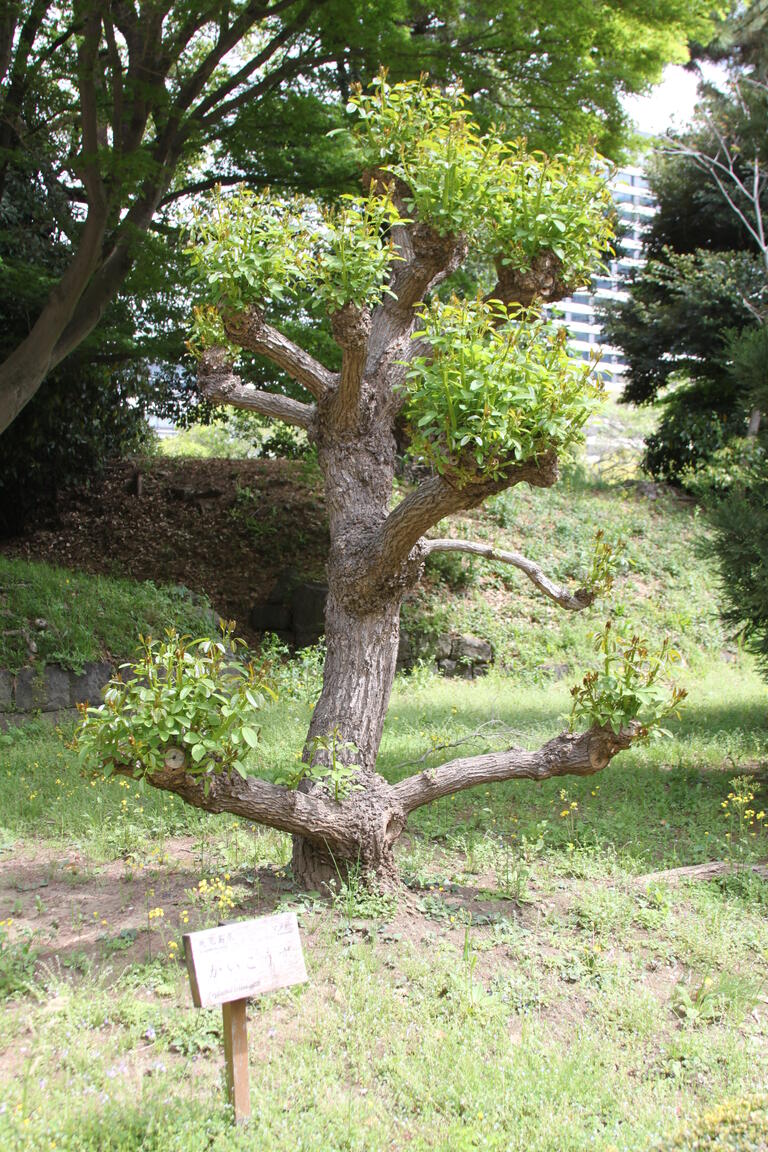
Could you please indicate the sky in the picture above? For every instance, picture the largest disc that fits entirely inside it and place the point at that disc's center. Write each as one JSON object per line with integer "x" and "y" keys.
{"x": 671, "y": 104}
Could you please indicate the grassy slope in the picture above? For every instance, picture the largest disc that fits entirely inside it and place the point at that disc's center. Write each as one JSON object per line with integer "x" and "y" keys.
{"x": 73, "y": 617}
{"x": 665, "y": 584}
{"x": 527, "y": 993}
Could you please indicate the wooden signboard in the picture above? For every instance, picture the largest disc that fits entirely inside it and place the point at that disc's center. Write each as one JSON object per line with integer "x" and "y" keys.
{"x": 227, "y": 965}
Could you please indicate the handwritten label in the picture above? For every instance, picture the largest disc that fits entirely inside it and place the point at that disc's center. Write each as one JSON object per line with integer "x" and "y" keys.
{"x": 244, "y": 959}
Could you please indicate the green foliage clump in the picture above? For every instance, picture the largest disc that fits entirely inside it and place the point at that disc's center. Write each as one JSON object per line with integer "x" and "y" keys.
{"x": 190, "y": 695}
{"x": 253, "y": 248}
{"x": 511, "y": 203}
{"x": 325, "y": 763}
{"x": 260, "y": 249}
{"x": 739, "y": 1125}
{"x": 498, "y": 386}
{"x": 628, "y": 687}
{"x": 740, "y": 521}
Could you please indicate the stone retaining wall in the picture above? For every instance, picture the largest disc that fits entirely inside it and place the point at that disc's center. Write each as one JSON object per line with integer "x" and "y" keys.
{"x": 294, "y": 611}
{"x": 53, "y": 690}
{"x": 50, "y": 689}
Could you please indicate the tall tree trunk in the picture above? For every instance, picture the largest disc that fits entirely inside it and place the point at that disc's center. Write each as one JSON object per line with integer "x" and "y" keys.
{"x": 362, "y": 629}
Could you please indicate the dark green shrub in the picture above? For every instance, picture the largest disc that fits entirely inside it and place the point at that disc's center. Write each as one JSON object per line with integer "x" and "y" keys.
{"x": 688, "y": 436}
{"x": 451, "y": 568}
{"x": 740, "y": 521}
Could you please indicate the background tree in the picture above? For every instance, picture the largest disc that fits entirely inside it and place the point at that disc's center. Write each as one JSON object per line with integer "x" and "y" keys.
{"x": 697, "y": 318}
{"x": 489, "y": 396}
{"x": 128, "y": 108}
{"x": 704, "y": 289}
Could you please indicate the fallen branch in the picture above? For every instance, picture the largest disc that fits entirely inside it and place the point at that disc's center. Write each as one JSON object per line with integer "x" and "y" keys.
{"x": 708, "y": 871}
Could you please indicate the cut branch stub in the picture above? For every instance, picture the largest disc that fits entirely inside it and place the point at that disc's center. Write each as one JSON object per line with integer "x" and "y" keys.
{"x": 541, "y": 281}
{"x": 351, "y": 328}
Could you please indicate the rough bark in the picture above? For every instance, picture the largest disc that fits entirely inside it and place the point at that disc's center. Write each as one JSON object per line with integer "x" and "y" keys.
{"x": 221, "y": 385}
{"x": 569, "y": 754}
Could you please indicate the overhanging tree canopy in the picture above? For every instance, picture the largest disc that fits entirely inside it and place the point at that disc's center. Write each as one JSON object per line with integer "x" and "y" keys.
{"x": 490, "y": 396}
{"x": 129, "y": 106}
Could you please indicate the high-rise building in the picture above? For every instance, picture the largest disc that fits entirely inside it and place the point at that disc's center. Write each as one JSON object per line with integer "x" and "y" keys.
{"x": 635, "y": 205}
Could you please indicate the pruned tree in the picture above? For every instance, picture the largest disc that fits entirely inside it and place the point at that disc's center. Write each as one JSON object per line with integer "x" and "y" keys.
{"x": 482, "y": 389}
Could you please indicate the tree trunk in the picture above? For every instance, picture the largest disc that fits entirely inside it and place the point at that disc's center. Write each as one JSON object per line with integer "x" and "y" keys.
{"x": 361, "y": 657}
{"x": 362, "y": 631}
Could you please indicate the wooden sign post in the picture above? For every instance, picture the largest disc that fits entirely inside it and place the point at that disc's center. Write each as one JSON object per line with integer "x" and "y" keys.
{"x": 229, "y": 964}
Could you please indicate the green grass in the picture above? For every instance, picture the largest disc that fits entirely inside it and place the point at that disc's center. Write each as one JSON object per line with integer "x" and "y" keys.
{"x": 529, "y": 991}
{"x": 72, "y": 617}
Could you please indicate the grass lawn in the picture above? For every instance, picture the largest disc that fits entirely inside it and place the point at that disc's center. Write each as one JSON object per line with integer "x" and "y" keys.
{"x": 531, "y": 988}
{"x": 528, "y": 990}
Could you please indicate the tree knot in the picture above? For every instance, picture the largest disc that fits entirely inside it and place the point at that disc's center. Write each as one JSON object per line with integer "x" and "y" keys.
{"x": 351, "y": 326}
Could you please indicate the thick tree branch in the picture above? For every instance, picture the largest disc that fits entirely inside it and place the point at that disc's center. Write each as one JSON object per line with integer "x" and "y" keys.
{"x": 24, "y": 370}
{"x": 567, "y": 755}
{"x": 289, "y": 68}
{"x": 351, "y": 328}
{"x": 576, "y": 601}
{"x": 299, "y": 813}
{"x": 249, "y": 330}
{"x": 221, "y": 385}
{"x": 423, "y": 259}
{"x": 243, "y": 74}
{"x": 435, "y": 498}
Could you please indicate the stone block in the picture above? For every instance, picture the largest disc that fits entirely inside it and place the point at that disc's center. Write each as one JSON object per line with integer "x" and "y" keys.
{"x": 471, "y": 650}
{"x": 308, "y": 612}
{"x": 443, "y": 646}
{"x": 86, "y": 687}
{"x": 557, "y": 671}
{"x": 56, "y": 687}
{"x": 447, "y": 667}
{"x": 29, "y": 690}
{"x": 306, "y": 639}
{"x": 281, "y": 591}
{"x": 6, "y": 691}
{"x": 404, "y": 651}
{"x": 270, "y": 617}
